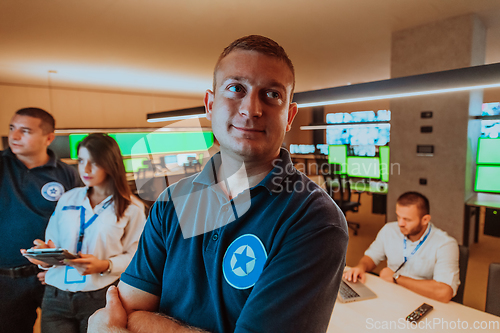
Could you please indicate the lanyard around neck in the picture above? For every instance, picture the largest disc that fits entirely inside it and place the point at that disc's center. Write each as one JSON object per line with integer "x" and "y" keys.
{"x": 418, "y": 246}
{"x": 84, "y": 225}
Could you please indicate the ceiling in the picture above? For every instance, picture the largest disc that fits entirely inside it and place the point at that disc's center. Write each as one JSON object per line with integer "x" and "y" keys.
{"x": 170, "y": 47}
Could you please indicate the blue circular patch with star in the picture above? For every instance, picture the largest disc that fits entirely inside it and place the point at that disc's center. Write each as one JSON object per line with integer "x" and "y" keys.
{"x": 52, "y": 191}
{"x": 244, "y": 261}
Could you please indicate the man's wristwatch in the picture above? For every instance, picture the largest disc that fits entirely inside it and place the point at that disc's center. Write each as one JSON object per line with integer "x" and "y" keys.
{"x": 395, "y": 277}
{"x": 110, "y": 267}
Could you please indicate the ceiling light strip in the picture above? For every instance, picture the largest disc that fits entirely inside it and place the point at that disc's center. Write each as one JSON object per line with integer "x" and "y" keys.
{"x": 157, "y": 120}
{"x": 129, "y": 130}
{"x": 462, "y": 79}
{"x": 391, "y": 96}
{"x": 344, "y": 125}
{"x": 196, "y": 112}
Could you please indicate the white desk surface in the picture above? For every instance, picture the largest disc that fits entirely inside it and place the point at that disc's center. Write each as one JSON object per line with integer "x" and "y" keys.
{"x": 484, "y": 199}
{"x": 394, "y": 303}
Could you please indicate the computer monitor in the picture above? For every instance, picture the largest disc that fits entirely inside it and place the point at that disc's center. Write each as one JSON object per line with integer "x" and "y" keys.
{"x": 363, "y": 167}
{"x": 134, "y": 164}
{"x": 364, "y": 150}
{"x": 488, "y": 151}
{"x": 490, "y": 109}
{"x": 322, "y": 148}
{"x": 134, "y": 144}
{"x": 487, "y": 178}
{"x": 302, "y": 149}
{"x": 337, "y": 154}
{"x": 362, "y": 134}
{"x": 383, "y": 153}
{"x": 60, "y": 146}
{"x": 74, "y": 140}
{"x": 490, "y": 128}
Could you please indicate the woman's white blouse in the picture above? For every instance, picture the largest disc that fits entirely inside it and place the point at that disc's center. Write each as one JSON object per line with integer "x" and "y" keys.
{"x": 106, "y": 238}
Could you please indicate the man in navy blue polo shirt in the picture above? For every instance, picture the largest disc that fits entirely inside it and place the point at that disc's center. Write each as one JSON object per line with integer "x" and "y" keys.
{"x": 31, "y": 182}
{"x": 249, "y": 244}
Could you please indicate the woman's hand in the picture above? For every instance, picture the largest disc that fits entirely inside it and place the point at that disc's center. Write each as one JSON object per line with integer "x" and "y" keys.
{"x": 41, "y": 276}
{"x": 88, "y": 264}
{"x": 40, "y": 244}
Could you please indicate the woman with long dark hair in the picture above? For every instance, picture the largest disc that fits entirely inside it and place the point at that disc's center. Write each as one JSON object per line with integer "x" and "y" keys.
{"x": 102, "y": 223}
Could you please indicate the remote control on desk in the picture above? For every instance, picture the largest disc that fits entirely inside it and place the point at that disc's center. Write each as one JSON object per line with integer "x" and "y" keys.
{"x": 419, "y": 312}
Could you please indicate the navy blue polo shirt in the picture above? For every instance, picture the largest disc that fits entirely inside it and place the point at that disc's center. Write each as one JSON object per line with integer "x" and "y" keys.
{"x": 28, "y": 199}
{"x": 270, "y": 260}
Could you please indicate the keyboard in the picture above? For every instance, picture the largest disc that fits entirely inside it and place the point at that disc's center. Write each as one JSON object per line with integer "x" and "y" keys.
{"x": 347, "y": 292}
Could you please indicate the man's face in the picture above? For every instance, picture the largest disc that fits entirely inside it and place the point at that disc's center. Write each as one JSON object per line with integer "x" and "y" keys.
{"x": 251, "y": 109}
{"x": 26, "y": 137}
{"x": 409, "y": 220}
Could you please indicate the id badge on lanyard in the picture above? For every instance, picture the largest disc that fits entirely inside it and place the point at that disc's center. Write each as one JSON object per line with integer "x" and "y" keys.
{"x": 71, "y": 274}
{"x": 413, "y": 252}
{"x": 418, "y": 245}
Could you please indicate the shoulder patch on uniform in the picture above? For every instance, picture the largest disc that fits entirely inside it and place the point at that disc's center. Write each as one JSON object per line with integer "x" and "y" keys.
{"x": 244, "y": 261}
{"x": 52, "y": 191}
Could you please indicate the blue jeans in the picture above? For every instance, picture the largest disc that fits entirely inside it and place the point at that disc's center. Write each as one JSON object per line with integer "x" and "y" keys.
{"x": 69, "y": 312}
{"x": 19, "y": 299}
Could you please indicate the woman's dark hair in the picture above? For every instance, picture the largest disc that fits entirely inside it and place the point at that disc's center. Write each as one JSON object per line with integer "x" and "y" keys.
{"x": 106, "y": 154}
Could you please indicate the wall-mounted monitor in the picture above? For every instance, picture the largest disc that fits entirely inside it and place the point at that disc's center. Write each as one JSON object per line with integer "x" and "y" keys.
{"x": 322, "y": 148}
{"x": 358, "y": 117}
{"x": 60, "y": 146}
{"x": 364, "y": 150}
{"x": 363, "y": 167}
{"x": 490, "y": 109}
{"x": 490, "y": 128}
{"x": 362, "y": 134}
{"x": 487, "y": 178}
{"x": 134, "y": 164}
{"x": 488, "y": 151}
{"x": 302, "y": 149}
{"x": 135, "y": 144}
{"x": 383, "y": 153}
{"x": 337, "y": 154}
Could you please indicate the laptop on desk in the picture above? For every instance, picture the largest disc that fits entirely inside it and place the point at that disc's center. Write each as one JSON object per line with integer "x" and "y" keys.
{"x": 350, "y": 292}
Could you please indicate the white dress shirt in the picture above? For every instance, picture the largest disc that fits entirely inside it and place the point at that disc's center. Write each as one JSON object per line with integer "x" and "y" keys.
{"x": 436, "y": 259}
{"x": 106, "y": 238}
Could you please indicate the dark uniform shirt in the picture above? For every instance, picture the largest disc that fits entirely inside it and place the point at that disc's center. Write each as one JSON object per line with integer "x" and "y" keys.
{"x": 270, "y": 260}
{"x": 28, "y": 198}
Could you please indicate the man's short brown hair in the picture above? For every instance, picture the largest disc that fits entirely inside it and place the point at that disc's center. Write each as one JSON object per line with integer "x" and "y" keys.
{"x": 259, "y": 44}
{"x": 48, "y": 123}
{"x": 415, "y": 198}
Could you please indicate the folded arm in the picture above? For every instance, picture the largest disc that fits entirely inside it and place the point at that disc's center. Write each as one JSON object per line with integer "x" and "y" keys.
{"x": 129, "y": 309}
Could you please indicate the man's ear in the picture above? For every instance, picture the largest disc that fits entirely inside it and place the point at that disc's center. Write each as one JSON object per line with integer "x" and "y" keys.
{"x": 426, "y": 219}
{"x": 50, "y": 138}
{"x": 292, "y": 112}
{"x": 208, "y": 101}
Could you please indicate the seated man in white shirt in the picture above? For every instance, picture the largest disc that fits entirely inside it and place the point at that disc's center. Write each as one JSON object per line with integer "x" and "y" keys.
{"x": 419, "y": 256}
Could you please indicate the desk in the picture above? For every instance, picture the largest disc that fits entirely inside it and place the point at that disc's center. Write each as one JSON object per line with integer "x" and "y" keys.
{"x": 476, "y": 201}
{"x": 372, "y": 186}
{"x": 394, "y": 302}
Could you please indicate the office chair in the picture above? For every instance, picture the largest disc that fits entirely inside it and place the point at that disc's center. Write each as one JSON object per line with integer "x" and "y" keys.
{"x": 334, "y": 180}
{"x": 463, "y": 262}
{"x": 192, "y": 166}
{"x": 150, "y": 182}
{"x": 493, "y": 290}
